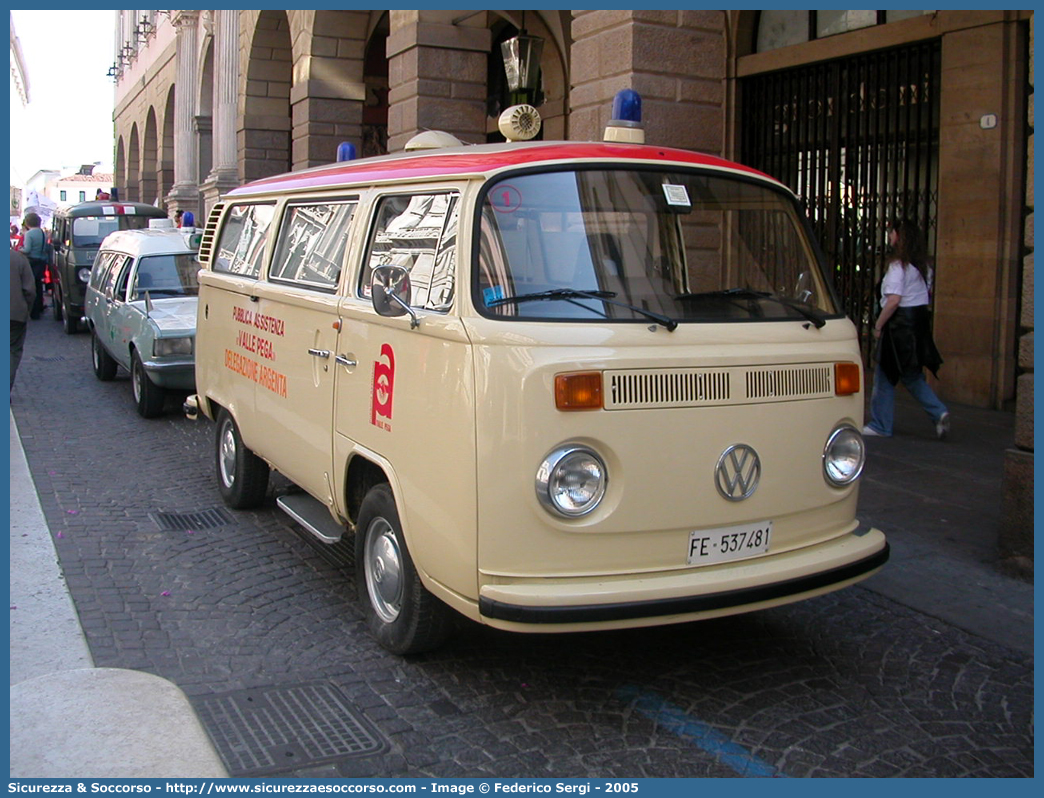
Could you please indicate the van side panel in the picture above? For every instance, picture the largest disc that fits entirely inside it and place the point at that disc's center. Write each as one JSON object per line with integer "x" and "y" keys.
{"x": 219, "y": 375}
{"x": 410, "y": 398}
{"x": 284, "y": 342}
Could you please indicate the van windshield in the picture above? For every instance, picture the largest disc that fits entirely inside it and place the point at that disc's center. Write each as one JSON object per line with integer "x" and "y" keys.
{"x": 88, "y": 231}
{"x": 644, "y": 245}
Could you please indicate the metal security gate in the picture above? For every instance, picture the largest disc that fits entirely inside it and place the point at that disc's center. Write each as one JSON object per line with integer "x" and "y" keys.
{"x": 857, "y": 139}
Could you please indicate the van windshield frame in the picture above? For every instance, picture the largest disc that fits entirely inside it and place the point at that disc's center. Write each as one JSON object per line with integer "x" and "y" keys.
{"x": 618, "y": 243}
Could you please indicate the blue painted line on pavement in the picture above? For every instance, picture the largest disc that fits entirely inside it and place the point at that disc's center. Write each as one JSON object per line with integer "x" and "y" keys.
{"x": 676, "y": 721}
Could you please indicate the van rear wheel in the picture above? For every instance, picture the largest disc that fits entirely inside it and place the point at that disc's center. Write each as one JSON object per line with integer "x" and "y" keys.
{"x": 403, "y": 616}
{"x": 70, "y": 323}
{"x": 242, "y": 475}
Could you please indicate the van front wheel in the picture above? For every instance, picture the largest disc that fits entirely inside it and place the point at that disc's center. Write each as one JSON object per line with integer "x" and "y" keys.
{"x": 242, "y": 475}
{"x": 403, "y": 616}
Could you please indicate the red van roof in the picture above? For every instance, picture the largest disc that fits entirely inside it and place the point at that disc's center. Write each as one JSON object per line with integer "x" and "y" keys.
{"x": 478, "y": 160}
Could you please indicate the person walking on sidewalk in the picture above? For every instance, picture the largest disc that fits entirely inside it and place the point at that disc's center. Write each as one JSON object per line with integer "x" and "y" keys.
{"x": 904, "y": 336}
{"x": 23, "y": 294}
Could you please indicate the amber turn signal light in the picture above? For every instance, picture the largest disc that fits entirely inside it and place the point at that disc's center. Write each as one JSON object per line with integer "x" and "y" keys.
{"x": 846, "y": 378}
{"x": 582, "y": 391}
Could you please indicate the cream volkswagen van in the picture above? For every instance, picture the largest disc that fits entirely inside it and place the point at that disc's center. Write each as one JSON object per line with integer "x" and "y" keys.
{"x": 550, "y": 386}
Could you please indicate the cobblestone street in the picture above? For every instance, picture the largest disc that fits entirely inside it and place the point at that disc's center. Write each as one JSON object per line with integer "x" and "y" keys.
{"x": 243, "y": 607}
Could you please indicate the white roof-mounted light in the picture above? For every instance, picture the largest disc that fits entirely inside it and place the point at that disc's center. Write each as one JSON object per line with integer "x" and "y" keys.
{"x": 432, "y": 140}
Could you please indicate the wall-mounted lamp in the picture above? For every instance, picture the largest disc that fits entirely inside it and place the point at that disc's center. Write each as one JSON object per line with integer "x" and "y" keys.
{"x": 521, "y": 56}
{"x": 144, "y": 29}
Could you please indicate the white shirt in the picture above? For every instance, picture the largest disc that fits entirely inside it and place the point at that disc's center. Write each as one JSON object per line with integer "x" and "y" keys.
{"x": 907, "y": 283}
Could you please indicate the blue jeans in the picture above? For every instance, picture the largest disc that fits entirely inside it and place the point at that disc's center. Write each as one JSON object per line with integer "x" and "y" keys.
{"x": 882, "y": 400}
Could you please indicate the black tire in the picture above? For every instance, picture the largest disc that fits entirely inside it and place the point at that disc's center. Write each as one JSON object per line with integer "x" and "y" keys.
{"x": 400, "y": 612}
{"x": 242, "y": 475}
{"x": 148, "y": 397}
{"x": 56, "y": 303}
{"x": 104, "y": 365}
{"x": 70, "y": 323}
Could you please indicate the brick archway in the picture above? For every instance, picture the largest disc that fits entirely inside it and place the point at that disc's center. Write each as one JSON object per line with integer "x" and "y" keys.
{"x": 264, "y": 129}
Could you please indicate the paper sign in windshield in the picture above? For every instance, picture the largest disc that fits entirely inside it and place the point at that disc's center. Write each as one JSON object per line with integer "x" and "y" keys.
{"x": 677, "y": 196}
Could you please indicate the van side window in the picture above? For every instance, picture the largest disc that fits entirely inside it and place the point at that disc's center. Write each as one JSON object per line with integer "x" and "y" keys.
{"x": 311, "y": 244}
{"x": 241, "y": 245}
{"x": 419, "y": 233}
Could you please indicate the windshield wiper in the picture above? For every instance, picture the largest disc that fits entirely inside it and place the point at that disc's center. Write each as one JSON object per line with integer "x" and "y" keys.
{"x": 747, "y": 293}
{"x": 572, "y": 293}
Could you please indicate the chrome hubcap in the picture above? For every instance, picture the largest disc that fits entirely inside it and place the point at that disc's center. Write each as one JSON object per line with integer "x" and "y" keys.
{"x": 227, "y": 455}
{"x": 384, "y": 570}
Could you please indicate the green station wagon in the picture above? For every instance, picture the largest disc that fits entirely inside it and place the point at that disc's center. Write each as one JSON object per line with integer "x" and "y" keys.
{"x": 141, "y": 310}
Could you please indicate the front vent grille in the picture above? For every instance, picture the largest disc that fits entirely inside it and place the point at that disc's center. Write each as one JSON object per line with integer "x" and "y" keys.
{"x": 789, "y": 382}
{"x": 638, "y": 389}
{"x": 671, "y": 388}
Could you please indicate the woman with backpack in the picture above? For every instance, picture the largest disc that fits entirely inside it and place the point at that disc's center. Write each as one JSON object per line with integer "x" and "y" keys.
{"x": 903, "y": 329}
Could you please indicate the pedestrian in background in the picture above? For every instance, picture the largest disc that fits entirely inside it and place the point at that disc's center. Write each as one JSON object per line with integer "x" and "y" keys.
{"x": 34, "y": 246}
{"x": 23, "y": 295}
{"x": 904, "y": 335}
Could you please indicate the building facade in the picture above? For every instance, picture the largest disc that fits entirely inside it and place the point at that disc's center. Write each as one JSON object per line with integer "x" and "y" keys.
{"x": 867, "y": 115}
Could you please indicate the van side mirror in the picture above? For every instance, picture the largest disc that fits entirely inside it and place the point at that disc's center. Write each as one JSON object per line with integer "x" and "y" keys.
{"x": 391, "y": 293}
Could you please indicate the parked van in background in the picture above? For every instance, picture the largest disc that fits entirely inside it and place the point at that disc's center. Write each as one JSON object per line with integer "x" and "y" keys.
{"x": 76, "y": 233}
{"x": 554, "y": 386}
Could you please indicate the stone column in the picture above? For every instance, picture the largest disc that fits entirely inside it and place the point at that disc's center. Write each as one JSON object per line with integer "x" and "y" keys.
{"x": 184, "y": 195}
{"x": 981, "y": 143}
{"x": 437, "y": 79}
{"x": 676, "y": 61}
{"x": 1015, "y": 541}
{"x": 329, "y": 90}
{"x": 224, "y": 172}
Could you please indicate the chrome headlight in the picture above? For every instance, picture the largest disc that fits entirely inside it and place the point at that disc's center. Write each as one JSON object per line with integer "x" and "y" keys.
{"x": 571, "y": 481}
{"x": 172, "y": 346}
{"x": 84, "y": 274}
{"x": 844, "y": 456}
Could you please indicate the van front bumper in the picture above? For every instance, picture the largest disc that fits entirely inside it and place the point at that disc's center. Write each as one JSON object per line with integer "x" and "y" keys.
{"x": 562, "y": 604}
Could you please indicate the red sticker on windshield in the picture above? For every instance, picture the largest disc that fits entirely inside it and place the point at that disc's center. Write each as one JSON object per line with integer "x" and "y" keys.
{"x": 505, "y": 198}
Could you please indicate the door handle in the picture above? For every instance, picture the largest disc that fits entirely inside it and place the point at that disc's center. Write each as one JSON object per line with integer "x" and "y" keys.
{"x": 344, "y": 361}
{"x": 323, "y": 353}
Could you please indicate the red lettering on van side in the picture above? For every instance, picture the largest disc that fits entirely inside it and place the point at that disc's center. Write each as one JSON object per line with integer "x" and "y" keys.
{"x": 383, "y": 388}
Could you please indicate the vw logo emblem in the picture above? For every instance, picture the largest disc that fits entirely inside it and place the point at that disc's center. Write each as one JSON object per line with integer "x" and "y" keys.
{"x": 738, "y": 472}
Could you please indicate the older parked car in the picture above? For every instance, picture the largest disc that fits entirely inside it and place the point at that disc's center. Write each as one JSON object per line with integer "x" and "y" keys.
{"x": 141, "y": 310}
